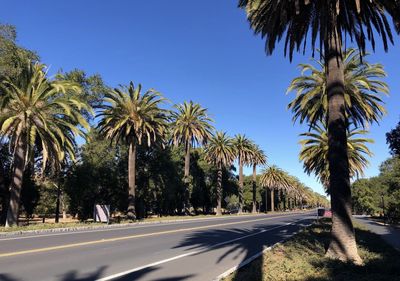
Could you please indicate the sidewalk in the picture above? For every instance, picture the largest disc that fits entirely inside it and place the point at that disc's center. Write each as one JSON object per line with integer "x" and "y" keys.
{"x": 388, "y": 233}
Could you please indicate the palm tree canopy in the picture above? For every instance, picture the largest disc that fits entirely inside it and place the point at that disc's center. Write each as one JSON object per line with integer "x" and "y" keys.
{"x": 295, "y": 21}
{"x": 131, "y": 116}
{"x": 220, "y": 150}
{"x": 257, "y": 156}
{"x": 243, "y": 147}
{"x": 314, "y": 152}
{"x": 37, "y": 109}
{"x": 362, "y": 86}
{"x": 190, "y": 124}
{"x": 275, "y": 178}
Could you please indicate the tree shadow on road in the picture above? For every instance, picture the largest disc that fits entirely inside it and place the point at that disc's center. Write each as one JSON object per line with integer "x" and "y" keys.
{"x": 72, "y": 275}
{"x": 240, "y": 245}
{"x": 141, "y": 275}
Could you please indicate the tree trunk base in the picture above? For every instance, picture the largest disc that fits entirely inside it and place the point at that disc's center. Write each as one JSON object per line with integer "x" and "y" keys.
{"x": 348, "y": 253}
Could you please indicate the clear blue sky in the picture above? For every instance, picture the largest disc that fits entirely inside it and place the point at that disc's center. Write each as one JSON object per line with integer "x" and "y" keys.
{"x": 189, "y": 50}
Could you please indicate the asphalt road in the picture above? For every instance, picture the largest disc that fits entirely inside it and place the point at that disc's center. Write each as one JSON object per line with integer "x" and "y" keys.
{"x": 190, "y": 250}
{"x": 388, "y": 233}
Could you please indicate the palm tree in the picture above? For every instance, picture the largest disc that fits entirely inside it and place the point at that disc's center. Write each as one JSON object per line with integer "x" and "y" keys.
{"x": 362, "y": 86}
{"x": 132, "y": 117}
{"x": 257, "y": 157}
{"x": 314, "y": 153}
{"x": 37, "y": 115}
{"x": 191, "y": 126}
{"x": 220, "y": 152}
{"x": 243, "y": 148}
{"x": 327, "y": 24}
{"x": 274, "y": 178}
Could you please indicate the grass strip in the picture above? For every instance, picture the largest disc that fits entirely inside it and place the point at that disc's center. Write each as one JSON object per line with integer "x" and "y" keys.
{"x": 303, "y": 258}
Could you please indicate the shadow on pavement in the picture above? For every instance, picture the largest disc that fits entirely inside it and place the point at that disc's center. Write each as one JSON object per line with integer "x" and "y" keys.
{"x": 141, "y": 275}
{"x": 244, "y": 245}
{"x": 72, "y": 275}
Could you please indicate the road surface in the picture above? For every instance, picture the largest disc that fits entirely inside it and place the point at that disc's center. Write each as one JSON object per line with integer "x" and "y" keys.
{"x": 191, "y": 250}
{"x": 388, "y": 233}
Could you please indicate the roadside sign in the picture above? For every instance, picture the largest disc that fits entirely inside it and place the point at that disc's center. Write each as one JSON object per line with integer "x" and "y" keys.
{"x": 101, "y": 213}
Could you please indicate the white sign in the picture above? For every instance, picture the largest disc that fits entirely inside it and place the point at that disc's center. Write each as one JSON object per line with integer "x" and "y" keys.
{"x": 102, "y": 213}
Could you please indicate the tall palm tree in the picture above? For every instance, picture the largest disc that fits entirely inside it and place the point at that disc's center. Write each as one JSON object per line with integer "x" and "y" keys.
{"x": 132, "y": 117}
{"x": 257, "y": 158}
{"x": 314, "y": 153}
{"x": 274, "y": 178}
{"x": 362, "y": 85}
{"x": 37, "y": 115}
{"x": 327, "y": 24}
{"x": 243, "y": 147}
{"x": 191, "y": 126}
{"x": 220, "y": 152}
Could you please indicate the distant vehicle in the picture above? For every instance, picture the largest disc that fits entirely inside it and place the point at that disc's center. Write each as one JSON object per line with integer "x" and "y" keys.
{"x": 322, "y": 212}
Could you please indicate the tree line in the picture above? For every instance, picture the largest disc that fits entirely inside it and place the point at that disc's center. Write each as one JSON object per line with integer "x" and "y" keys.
{"x": 327, "y": 26}
{"x": 138, "y": 156}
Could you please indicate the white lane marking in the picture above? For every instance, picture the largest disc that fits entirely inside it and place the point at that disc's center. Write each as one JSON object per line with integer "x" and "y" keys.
{"x": 140, "y": 226}
{"x": 113, "y": 276}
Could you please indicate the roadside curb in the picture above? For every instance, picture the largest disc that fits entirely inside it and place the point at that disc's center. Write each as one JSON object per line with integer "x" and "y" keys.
{"x": 116, "y": 226}
{"x": 257, "y": 255}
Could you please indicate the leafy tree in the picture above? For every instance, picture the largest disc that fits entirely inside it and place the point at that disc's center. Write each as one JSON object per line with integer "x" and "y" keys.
{"x": 13, "y": 58}
{"x": 248, "y": 192}
{"x": 364, "y": 199}
{"x": 393, "y": 139}
{"x": 99, "y": 177}
{"x": 327, "y": 24}
{"x": 191, "y": 126}
{"x": 274, "y": 178}
{"x": 93, "y": 88}
{"x": 243, "y": 147}
{"x": 314, "y": 153}
{"x": 379, "y": 195}
{"x": 257, "y": 157}
{"x": 220, "y": 152}
{"x": 37, "y": 114}
{"x": 133, "y": 118}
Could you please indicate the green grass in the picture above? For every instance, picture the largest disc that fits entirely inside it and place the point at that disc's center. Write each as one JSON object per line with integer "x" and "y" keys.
{"x": 302, "y": 258}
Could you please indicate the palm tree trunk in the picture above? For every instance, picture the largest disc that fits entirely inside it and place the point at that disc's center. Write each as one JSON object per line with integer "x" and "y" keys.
{"x": 272, "y": 200}
{"x": 343, "y": 244}
{"x": 240, "y": 186}
{"x": 254, "y": 210}
{"x": 283, "y": 199}
{"x": 57, "y": 219}
{"x": 219, "y": 191}
{"x": 132, "y": 181}
{"x": 63, "y": 206}
{"x": 16, "y": 183}
{"x": 266, "y": 200}
{"x": 187, "y": 179}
